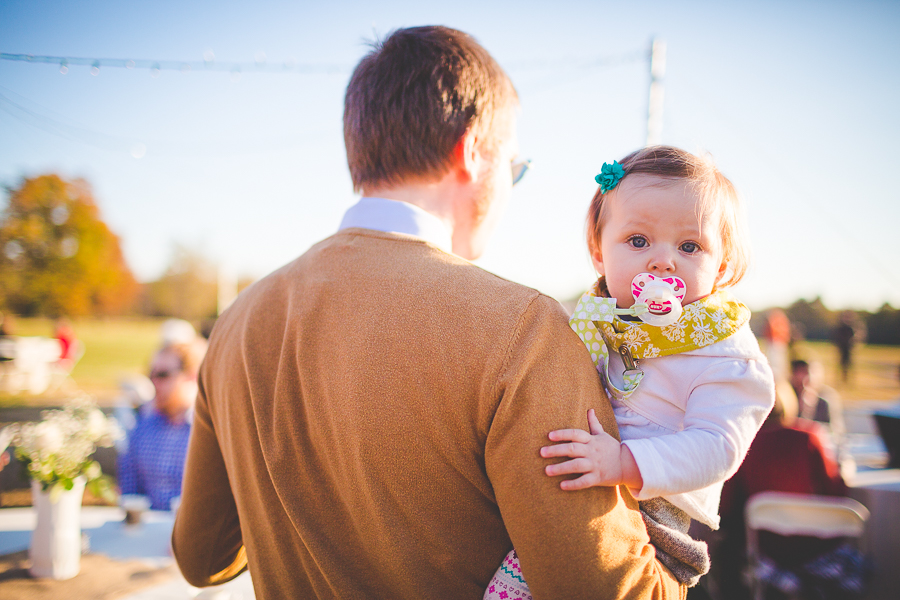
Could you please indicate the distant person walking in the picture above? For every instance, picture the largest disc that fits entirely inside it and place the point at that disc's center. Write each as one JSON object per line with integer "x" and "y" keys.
{"x": 845, "y": 336}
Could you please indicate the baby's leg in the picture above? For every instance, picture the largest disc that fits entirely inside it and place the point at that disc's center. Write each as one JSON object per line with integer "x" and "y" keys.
{"x": 667, "y": 525}
{"x": 508, "y": 581}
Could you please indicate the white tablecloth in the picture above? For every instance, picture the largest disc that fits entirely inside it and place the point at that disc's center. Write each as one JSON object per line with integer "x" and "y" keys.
{"x": 108, "y": 534}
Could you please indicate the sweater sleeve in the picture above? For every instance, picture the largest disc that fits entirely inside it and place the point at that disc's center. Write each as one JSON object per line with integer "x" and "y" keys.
{"x": 207, "y": 544}
{"x": 727, "y": 405}
{"x": 585, "y": 544}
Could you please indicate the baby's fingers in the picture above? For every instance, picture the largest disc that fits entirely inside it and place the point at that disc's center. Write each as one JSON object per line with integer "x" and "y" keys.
{"x": 572, "y": 450}
{"x": 570, "y": 435}
{"x": 593, "y": 424}
{"x": 576, "y": 465}
{"x": 585, "y": 481}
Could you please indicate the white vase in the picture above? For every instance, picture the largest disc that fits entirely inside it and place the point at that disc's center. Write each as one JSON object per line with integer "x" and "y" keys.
{"x": 56, "y": 542}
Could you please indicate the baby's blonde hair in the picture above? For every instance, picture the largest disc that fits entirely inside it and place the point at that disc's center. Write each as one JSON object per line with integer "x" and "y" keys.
{"x": 715, "y": 191}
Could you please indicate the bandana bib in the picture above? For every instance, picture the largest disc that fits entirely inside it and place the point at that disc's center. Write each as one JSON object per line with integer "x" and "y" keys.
{"x": 703, "y": 323}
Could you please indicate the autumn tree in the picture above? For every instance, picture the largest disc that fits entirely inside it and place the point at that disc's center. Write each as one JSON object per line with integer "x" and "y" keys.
{"x": 57, "y": 256}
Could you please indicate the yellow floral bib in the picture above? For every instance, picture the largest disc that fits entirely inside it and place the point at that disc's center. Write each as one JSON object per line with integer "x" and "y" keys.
{"x": 703, "y": 323}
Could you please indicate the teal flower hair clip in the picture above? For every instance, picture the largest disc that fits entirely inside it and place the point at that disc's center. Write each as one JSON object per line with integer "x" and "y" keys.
{"x": 610, "y": 176}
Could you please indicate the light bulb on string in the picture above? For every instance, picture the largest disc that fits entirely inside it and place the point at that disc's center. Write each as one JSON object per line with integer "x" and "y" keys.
{"x": 95, "y": 68}
{"x": 63, "y": 67}
{"x": 154, "y": 70}
{"x": 129, "y": 64}
{"x": 235, "y": 74}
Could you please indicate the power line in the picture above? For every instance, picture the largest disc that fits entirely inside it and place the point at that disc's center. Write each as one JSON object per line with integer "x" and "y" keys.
{"x": 260, "y": 64}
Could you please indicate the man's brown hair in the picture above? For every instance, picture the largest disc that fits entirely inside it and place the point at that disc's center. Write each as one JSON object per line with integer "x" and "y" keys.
{"x": 412, "y": 98}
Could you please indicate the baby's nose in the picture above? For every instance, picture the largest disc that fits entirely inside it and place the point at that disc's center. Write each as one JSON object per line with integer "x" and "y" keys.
{"x": 661, "y": 262}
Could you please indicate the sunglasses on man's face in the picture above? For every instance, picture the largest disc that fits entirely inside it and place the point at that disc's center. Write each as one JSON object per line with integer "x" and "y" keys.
{"x": 519, "y": 169}
{"x": 163, "y": 374}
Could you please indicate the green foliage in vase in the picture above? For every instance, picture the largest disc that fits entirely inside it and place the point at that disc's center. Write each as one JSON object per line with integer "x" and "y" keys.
{"x": 58, "y": 448}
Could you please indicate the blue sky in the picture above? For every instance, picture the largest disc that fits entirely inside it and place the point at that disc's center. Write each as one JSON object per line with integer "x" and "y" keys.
{"x": 796, "y": 101}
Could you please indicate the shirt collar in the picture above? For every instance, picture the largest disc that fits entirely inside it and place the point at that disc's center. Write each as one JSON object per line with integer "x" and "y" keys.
{"x": 395, "y": 216}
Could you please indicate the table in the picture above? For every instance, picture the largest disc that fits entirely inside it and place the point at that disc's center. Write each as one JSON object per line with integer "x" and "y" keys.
{"x": 143, "y": 550}
{"x": 878, "y": 489}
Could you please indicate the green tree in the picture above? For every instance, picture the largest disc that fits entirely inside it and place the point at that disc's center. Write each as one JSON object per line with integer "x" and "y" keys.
{"x": 814, "y": 318}
{"x": 57, "y": 256}
{"x": 884, "y": 326}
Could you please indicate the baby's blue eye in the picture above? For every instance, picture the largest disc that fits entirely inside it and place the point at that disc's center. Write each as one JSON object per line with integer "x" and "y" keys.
{"x": 638, "y": 242}
{"x": 689, "y": 247}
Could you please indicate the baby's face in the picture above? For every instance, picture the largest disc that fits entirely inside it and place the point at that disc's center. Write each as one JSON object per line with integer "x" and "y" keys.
{"x": 654, "y": 226}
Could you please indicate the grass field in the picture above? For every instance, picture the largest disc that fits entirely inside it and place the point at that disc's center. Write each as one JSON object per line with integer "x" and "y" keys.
{"x": 117, "y": 347}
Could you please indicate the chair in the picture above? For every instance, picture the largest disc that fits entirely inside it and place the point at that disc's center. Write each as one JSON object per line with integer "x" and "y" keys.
{"x": 61, "y": 370}
{"x": 29, "y": 371}
{"x": 799, "y": 514}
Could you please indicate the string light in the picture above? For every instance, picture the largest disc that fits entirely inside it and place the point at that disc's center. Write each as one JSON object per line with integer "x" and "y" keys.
{"x": 260, "y": 64}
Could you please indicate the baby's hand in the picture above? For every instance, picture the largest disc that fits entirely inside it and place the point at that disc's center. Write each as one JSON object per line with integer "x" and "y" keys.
{"x": 596, "y": 454}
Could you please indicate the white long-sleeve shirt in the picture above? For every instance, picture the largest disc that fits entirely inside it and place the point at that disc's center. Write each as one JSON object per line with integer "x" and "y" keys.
{"x": 691, "y": 420}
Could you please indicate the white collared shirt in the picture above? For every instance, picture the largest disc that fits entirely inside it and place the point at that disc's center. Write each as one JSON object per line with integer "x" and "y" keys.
{"x": 395, "y": 216}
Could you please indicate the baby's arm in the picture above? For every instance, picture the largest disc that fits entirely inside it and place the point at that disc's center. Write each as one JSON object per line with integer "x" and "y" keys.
{"x": 596, "y": 454}
{"x": 726, "y": 407}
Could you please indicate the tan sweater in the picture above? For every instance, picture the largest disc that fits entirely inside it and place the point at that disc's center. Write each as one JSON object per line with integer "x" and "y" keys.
{"x": 369, "y": 424}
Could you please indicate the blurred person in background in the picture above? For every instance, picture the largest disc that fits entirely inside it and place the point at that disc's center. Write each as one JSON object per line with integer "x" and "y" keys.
{"x": 69, "y": 346}
{"x": 153, "y": 464}
{"x": 816, "y": 401}
{"x": 789, "y": 454}
{"x": 777, "y": 335}
{"x": 133, "y": 404}
{"x": 176, "y": 331}
{"x": 846, "y": 335}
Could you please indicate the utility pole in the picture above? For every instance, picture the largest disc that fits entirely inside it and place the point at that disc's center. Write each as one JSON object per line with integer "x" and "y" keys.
{"x": 655, "y": 100}
{"x": 227, "y": 288}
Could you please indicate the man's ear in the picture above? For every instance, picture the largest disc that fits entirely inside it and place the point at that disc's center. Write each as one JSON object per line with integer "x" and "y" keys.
{"x": 597, "y": 259}
{"x": 467, "y": 157}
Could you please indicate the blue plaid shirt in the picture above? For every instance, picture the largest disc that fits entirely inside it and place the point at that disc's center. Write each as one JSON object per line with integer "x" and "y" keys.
{"x": 154, "y": 462}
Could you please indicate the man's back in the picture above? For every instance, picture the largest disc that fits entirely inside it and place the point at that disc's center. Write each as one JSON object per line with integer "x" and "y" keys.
{"x": 377, "y": 404}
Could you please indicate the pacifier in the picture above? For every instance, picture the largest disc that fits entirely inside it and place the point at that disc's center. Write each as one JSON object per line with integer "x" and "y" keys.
{"x": 661, "y": 296}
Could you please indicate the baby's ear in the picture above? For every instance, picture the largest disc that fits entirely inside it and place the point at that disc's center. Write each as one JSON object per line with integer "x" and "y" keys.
{"x": 597, "y": 259}
{"x": 722, "y": 269}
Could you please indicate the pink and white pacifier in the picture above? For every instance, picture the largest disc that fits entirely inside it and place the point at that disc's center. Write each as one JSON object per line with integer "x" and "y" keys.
{"x": 662, "y": 297}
